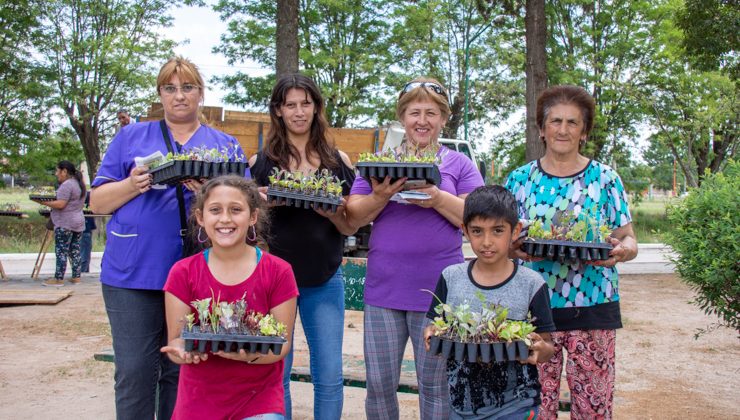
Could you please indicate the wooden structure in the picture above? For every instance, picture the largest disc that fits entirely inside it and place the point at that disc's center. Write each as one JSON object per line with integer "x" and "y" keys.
{"x": 251, "y": 129}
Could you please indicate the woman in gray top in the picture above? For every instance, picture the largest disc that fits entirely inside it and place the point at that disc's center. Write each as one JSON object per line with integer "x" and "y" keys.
{"x": 69, "y": 222}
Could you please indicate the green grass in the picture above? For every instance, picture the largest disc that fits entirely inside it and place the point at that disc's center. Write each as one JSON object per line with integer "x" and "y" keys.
{"x": 26, "y": 235}
{"x": 650, "y": 221}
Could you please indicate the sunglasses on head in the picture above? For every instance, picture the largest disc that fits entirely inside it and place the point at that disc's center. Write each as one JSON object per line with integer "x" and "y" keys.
{"x": 439, "y": 90}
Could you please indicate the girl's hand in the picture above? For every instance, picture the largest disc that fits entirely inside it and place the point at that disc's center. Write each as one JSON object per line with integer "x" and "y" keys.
{"x": 175, "y": 350}
{"x": 140, "y": 179}
{"x": 617, "y": 254}
{"x": 386, "y": 189}
{"x": 540, "y": 350}
{"x": 241, "y": 356}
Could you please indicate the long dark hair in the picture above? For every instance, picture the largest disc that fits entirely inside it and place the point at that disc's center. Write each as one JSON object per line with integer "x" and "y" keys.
{"x": 72, "y": 171}
{"x": 278, "y": 146}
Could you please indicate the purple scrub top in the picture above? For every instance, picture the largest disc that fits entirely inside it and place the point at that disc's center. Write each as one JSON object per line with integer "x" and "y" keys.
{"x": 143, "y": 240}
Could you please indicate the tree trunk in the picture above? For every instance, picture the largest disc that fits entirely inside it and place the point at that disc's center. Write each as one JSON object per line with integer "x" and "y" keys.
{"x": 88, "y": 136}
{"x": 536, "y": 73}
{"x": 286, "y": 42}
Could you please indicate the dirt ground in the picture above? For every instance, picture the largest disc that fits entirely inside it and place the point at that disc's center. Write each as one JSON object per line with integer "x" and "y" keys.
{"x": 47, "y": 368}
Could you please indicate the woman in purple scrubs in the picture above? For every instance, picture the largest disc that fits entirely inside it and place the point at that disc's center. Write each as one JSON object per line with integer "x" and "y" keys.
{"x": 143, "y": 240}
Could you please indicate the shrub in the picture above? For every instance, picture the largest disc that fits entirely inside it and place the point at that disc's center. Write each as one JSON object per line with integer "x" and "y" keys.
{"x": 706, "y": 238}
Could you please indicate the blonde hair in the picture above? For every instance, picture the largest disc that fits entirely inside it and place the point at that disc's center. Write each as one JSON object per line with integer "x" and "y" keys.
{"x": 187, "y": 72}
{"x": 184, "y": 69}
{"x": 423, "y": 94}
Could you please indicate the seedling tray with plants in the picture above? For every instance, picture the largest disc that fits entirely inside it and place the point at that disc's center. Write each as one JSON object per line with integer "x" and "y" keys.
{"x": 569, "y": 240}
{"x": 11, "y": 210}
{"x": 231, "y": 327}
{"x": 42, "y": 197}
{"x": 198, "y": 163}
{"x": 202, "y": 342}
{"x": 399, "y": 166}
{"x": 86, "y": 212}
{"x": 320, "y": 190}
{"x": 485, "y": 336}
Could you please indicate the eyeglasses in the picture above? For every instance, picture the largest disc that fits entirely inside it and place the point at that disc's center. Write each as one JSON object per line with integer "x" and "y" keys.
{"x": 439, "y": 90}
{"x": 172, "y": 89}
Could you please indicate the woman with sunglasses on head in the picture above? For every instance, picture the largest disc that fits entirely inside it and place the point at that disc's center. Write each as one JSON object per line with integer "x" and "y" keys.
{"x": 144, "y": 238}
{"x": 410, "y": 245}
{"x": 310, "y": 240}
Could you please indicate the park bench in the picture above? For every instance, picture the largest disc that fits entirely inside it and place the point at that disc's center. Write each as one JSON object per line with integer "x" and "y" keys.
{"x": 353, "y": 372}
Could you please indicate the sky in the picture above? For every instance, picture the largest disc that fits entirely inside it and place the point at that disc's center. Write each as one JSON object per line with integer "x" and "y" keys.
{"x": 202, "y": 28}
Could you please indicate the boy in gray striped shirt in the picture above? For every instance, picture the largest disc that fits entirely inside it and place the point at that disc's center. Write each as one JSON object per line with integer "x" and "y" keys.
{"x": 496, "y": 390}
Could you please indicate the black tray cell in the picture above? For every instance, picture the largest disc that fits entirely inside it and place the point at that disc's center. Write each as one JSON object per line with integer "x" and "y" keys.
{"x": 485, "y": 352}
{"x": 472, "y": 352}
{"x": 305, "y": 201}
{"x": 379, "y": 170}
{"x": 11, "y": 213}
{"x": 566, "y": 251}
{"x": 498, "y": 352}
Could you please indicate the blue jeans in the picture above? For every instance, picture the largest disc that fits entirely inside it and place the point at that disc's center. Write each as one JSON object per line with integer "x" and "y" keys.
{"x": 270, "y": 416}
{"x": 85, "y": 251}
{"x": 322, "y": 315}
{"x": 139, "y": 330}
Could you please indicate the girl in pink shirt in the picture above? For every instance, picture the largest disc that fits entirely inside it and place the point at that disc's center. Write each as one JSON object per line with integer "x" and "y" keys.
{"x": 229, "y": 385}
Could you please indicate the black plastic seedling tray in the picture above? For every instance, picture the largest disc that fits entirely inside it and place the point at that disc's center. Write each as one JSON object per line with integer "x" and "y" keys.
{"x": 379, "y": 170}
{"x": 38, "y": 197}
{"x": 567, "y": 251}
{"x": 479, "y": 352}
{"x": 212, "y": 342}
{"x": 294, "y": 199}
{"x": 11, "y": 213}
{"x": 47, "y": 212}
{"x": 175, "y": 171}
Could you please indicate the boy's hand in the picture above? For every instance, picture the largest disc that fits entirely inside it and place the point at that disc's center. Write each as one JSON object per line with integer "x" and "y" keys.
{"x": 175, "y": 350}
{"x": 541, "y": 349}
{"x": 428, "y": 332}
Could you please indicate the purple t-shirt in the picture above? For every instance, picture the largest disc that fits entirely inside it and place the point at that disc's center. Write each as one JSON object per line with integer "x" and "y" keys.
{"x": 143, "y": 239}
{"x": 411, "y": 245}
{"x": 70, "y": 217}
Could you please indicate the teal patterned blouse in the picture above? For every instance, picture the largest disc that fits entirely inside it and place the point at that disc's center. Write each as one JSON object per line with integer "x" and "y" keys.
{"x": 582, "y": 296}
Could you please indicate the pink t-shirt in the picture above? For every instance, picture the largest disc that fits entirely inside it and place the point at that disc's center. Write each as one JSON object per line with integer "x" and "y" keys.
{"x": 226, "y": 389}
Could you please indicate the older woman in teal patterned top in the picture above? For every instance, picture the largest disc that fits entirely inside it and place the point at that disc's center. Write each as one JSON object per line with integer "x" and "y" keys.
{"x": 584, "y": 295}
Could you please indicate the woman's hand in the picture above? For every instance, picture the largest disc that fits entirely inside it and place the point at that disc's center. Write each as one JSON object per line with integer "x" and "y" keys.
{"x": 618, "y": 254}
{"x": 541, "y": 349}
{"x": 175, "y": 350}
{"x": 140, "y": 179}
{"x": 334, "y": 216}
{"x": 434, "y": 197}
{"x": 386, "y": 189}
{"x": 516, "y": 252}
